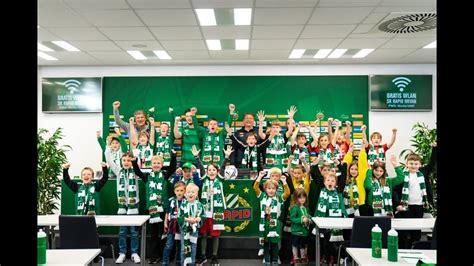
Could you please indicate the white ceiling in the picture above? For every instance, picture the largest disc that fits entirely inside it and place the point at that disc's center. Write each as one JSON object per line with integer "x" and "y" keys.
{"x": 104, "y": 29}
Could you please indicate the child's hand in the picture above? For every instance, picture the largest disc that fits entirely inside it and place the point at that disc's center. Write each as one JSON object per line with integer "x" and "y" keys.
{"x": 315, "y": 161}
{"x": 363, "y": 127}
{"x": 351, "y": 148}
{"x": 394, "y": 130}
{"x": 261, "y": 115}
{"x": 99, "y": 133}
{"x": 291, "y": 158}
{"x": 231, "y": 108}
{"x": 336, "y": 161}
{"x": 302, "y": 124}
{"x": 133, "y": 158}
{"x": 66, "y": 165}
{"x": 193, "y": 168}
{"x": 152, "y": 121}
{"x": 117, "y": 130}
{"x": 131, "y": 120}
{"x": 261, "y": 174}
{"x": 177, "y": 119}
{"x": 228, "y": 151}
{"x": 337, "y": 123}
{"x": 330, "y": 119}
{"x": 193, "y": 110}
{"x": 291, "y": 112}
{"x": 393, "y": 160}
{"x": 302, "y": 157}
{"x": 108, "y": 140}
{"x": 348, "y": 123}
{"x": 179, "y": 171}
{"x": 195, "y": 151}
{"x": 103, "y": 164}
{"x": 116, "y": 105}
{"x": 228, "y": 130}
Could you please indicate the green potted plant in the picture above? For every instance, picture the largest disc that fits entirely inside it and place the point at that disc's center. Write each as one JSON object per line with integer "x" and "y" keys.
{"x": 422, "y": 142}
{"x": 51, "y": 157}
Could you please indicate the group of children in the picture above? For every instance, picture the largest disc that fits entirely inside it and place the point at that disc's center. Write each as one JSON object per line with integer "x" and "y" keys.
{"x": 346, "y": 187}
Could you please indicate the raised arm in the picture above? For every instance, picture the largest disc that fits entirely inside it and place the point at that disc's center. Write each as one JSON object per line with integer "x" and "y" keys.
{"x": 133, "y": 135}
{"x": 227, "y": 152}
{"x": 67, "y": 179}
{"x": 291, "y": 114}
{"x": 341, "y": 181}
{"x": 124, "y": 125}
{"x": 348, "y": 132}
{"x": 195, "y": 152}
{"x": 363, "y": 166}
{"x": 394, "y": 137}
{"x": 123, "y": 144}
{"x": 289, "y": 167}
{"x": 261, "y": 119}
{"x": 293, "y": 136}
{"x": 256, "y": 184}
{"x": 172, "y": 167}
{"x": 101, "y": 140}
{"x": 201, "y": 130}
{"x": 334, "y": 139}
{"x": 108, "y": 157}
{"x": 137, "y": 171}
{"x": 397, "y": 180}
{"x": 365, "y": 143}
{"x": 286, "y": 189}
{"x": 177, "y": 123}
{"x": 314, "y": 135}
{"x": 152, "y": 131}
{"x": 330, "y": 133}
{"x": 105, "y": 176}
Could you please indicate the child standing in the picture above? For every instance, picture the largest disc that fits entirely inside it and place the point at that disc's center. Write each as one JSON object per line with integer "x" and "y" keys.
{"x": 191, "y": 134}
{"x": 191, "y": 213}
{"x": 188, "y": 174}
{"x": 171, "y": 224}
{"x": 143, "y": 145}
{"x": 252, "y": 150}
{"x": 164, "y": 142}
{"x": 300, "y": 220}
{"x": 85, "y": 192}
{"x": 157, "y": 199}
{"x": 128, "y": 200}
{"x": 277, "y": 152}
{"x": 117, "y": 147}
{"x": 376, "y": 151}
{"x": 270, "y": 209}
{"x": 343, "y": 140}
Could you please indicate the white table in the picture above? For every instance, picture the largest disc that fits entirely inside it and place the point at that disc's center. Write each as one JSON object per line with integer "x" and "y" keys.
{"x": 70, "y": 256}
{"x": 363, "y": 256}
{"x": 346, "y": 223}
{"x": 106, "y": 220}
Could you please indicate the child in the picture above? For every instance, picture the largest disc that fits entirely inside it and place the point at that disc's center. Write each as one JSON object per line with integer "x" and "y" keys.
{"x": 330, "y": 204}
{"x": 128, "y": 200}
{"x": 252, "y": 150}
{"x": 188, "y": 174}
{"x": 276, "y": 154}
{"x": 376, "y": 151}
{"x": 164, "y": 142}
{"x": 117, "y": 147}
{"x": 415, "y": 194}
{"x": 143, "y": 146}
{"x": 379, "y": 188}
{"x": 343, "y": 140}
{"x": 190, "y": 215}
{"x": 85, "y": 192}
{"x": 156, "y": 203}
{"x": 270, "y": 209}
{"x": 191, "y": 134}
{"x": 354, "y": 190}
{"x": 300, "y": 220}
{"x": 325, "y": 148}
{"x": 300, "y": 147}
{"x": 171, "y": 224}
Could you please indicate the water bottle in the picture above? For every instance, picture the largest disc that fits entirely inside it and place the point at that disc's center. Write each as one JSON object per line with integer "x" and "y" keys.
{"x": 41, "y": 247}
{"x": 376, "y": 241}
{"x": 392, "y": 245}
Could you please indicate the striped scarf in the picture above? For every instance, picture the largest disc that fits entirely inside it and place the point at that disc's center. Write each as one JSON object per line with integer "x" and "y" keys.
{"x": 155, "y": 190}
{"x": 116, "y": 158}
{"x": 85, "y": 199}
{"x": 326, "y": 157}
{"x": 381, "y": 198}
{"x": 406, "y": 190}
{"x": 127, "y": 192}
{"x": 276, "y": 155}
{"x": 375, "y": 154}
{"x": 250, "y": 156}
{"x": 297, "y": 153}
{"x": 338, "y": 152}
{"x": 329, "y": 206}
{"x": 163, "y": 149}
{"x": 188, "y": 230}
{"x": 211, "y": 152}
{"x": 213, "y": 200}
{"x": 145, "y": 155}
{"x": 269, "y": 225}
{"x": 351, "y": 187}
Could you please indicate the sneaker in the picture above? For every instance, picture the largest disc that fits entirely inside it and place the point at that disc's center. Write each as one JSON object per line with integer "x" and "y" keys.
{"x": 153, "y": 260}
{"x": 120, "y": 258}
{"x": 136, "y": 258}
{"x": 323, "y": 259}
{"x": 214, "y": 260}
{"x": 201, "y": 260}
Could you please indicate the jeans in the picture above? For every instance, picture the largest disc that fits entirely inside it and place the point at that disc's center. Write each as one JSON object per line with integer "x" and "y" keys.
{"x": 133, "y": 239}
{"x": 193, "y": 250}
{"x": 167, "y": 251}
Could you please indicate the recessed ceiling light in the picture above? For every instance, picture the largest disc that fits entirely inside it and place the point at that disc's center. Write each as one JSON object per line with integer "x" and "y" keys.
{"x": 206, "y": 17}
{"x": 322, "y": 53}
{"x": 44, "y": 48}
{"x": 137, "y": 55}
{"x": 337, "y": 53}
{"x": 162, "y": 55}
{"x": 241, "y": 44}
{"x": 214, "y": 44}
{"x": 363, "y": 53}
{"x": 242, "y": 16}
{"x": 46, "y": 56}
{"x": 66, "y": 46}
{"x": 297, "y": 53}
{"x": 431, "y": 45}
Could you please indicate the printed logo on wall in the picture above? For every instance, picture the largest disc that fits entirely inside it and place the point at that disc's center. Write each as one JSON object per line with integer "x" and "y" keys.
{"x": 72, "y": 94}
{"x": 400, "y": 92}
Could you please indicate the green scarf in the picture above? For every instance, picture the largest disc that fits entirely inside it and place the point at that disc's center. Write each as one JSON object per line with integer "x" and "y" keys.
{"x": 276, "y": 155}
{"x": 326, "y": 157}
{"x": 146, "y": 152}
{"x": 330, "y": 206}
{"x": 381, "y": 198}
{"x": 211, "y": 149}
{"x": 127, "y": 192}
{"x": 375, "y": 154}
{"x": 163, "y": 149}
{"x": 214, "y": 202}
{"x": 346, "y": 194}
{"x": 338, "y": 152}
{"x": 116, "y": 158}
{"x": 85, "y": 199}
{"x": 250, "y": 157}
{"x": 187, "y": 210}
{"x": 297, "y": 152}
{"x": 155, "y": 188}
{"x": 269, "y": 226}
{"x": 406, "y": 190}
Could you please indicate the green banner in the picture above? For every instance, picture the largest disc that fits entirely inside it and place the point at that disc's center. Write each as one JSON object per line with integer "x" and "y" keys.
{"x": 401, "y": 92}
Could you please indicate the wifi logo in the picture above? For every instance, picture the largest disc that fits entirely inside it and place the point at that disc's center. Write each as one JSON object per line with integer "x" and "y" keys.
{"x": 72, "y": 85}
{"x": 401, "y": 83}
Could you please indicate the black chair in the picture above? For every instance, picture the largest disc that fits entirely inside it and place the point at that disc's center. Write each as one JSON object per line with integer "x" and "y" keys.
{"x": 427, "y": 244}
{"x": 362, "y": 228}
{"x": 78, "y": 232}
